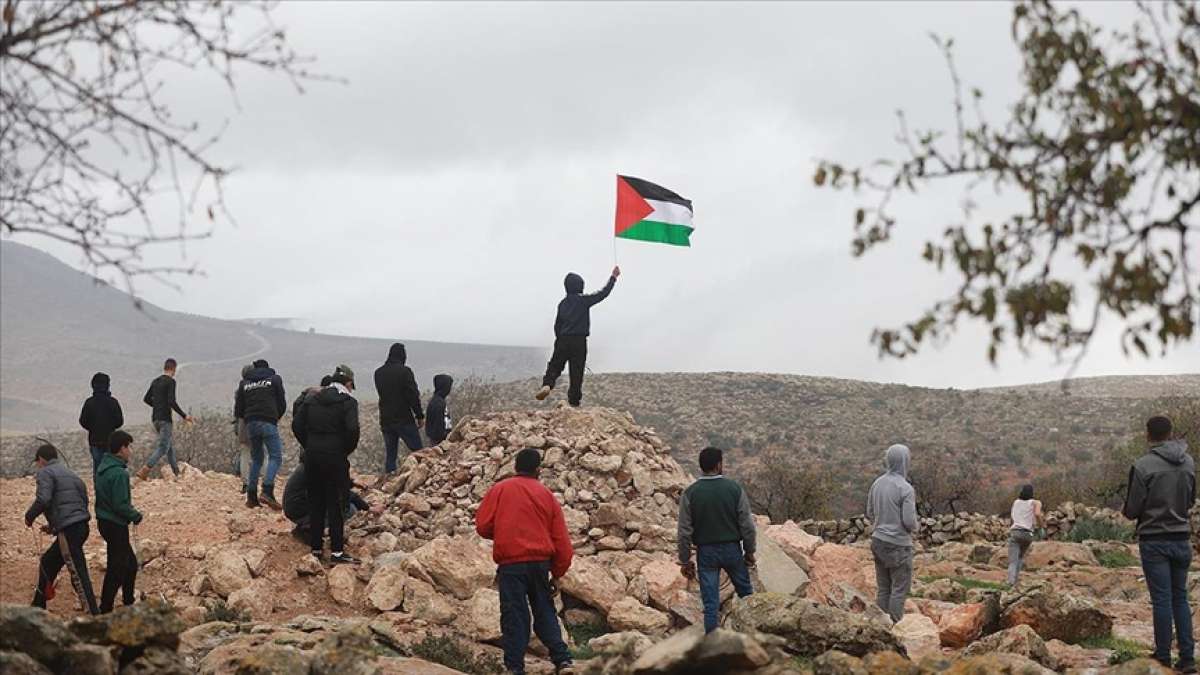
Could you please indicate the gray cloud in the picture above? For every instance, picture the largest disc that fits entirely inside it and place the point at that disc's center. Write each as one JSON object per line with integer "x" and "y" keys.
{"x": 468, "y": 164}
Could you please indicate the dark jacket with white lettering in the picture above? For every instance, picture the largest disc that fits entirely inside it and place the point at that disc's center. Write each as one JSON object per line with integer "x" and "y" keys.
{"x": 260, "y": 397}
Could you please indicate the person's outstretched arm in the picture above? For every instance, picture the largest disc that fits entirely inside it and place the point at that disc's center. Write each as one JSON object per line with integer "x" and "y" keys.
{"x": 593, "y": 298}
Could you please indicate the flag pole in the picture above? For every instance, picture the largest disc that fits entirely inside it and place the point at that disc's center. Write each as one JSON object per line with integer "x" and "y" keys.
{"x": 614, "y": 250}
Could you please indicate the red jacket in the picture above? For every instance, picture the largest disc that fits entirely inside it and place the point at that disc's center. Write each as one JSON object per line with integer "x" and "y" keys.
{"x": 525, "y": 523}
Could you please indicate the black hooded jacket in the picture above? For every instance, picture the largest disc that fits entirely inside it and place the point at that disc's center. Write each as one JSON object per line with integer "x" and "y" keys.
{"x": 437, "y": 417}
{"x": 101, "y": 414}
{"x": 399, "y": 397}
{"x": 574, "y": 311}
{"x": 326, "y": 425}
{"x": 260, "y": 397}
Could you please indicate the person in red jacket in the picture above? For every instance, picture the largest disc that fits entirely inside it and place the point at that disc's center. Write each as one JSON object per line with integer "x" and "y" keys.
{"x": 532, "y": 551}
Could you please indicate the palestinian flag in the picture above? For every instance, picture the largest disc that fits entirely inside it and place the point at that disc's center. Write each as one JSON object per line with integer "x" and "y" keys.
{"x": 649, "y": 212}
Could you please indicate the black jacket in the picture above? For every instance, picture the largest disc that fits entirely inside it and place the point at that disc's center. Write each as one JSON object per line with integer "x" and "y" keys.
{"x": 327, "y": 424}
{"x": 260, "y": 397}
{"x": 101, "y": 414}
{"x": 399, "y": 397}
{"x": 161, "y": 398}
{"x": 437, "y": 417}
{"x": 1162, "y": 489}
{"x": 61, "y": 495}
{"x": 574, "y": 311}
{"x": 295, "y": 497}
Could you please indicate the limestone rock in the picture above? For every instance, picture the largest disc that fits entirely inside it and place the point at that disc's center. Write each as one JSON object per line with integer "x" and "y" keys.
{"x": 226, "y": 570}
{"x": 17, "y": 663}
{"x": 776, "y": 571}
{"x": 811, "y": 629}
{"x": 593, "y": 583}
{"x": 798, "y": 544}
{"x": 385, "y": 591}
{"x": 1056, "y": 616}
{"x": 627, "y": 614}
{"x": 256, "y": 599}
{"x": 918, "y": 634}
{"x": 962, "y": 625}
{"x": 457, "y": 565}
{"x": 343, "y": 585}
{"x": 424, "y": 602}
{"x": 308, "y": 566}
{"x": 1073, "y": 656}
{"x": 1020, "y": 640}
{"x": 691, "y": 651}
{"x": 480, "y": 618}
{"x": 35, "y": 632}
{"x": 88, "y": 660}
{"x": 151, "y": 549}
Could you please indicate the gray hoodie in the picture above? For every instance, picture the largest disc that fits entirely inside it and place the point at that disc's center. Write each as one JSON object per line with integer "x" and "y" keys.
{"x": 1162, "y": 488}
{"x": 892, "y": 502}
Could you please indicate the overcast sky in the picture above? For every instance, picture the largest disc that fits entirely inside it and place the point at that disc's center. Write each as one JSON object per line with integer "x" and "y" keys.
{"x": 468, "y": 164}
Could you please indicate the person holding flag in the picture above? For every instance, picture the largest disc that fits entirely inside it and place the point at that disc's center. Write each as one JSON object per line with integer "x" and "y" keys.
{"x": 572, "y": 326}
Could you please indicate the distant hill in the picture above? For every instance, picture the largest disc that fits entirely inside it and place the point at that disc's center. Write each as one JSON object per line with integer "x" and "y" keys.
{"x": 58, "y": 326}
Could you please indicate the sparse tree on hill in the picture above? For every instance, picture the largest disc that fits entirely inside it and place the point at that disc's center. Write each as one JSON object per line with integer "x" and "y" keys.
{"x": 1102, "y": 148}
{"x": 87, "y": 139}
{"x": 782, "y": 487}
{"x": 946, "y": 485}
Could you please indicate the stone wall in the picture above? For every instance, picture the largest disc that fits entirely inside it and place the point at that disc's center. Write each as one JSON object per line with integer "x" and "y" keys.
{"x": 975, "y": 527}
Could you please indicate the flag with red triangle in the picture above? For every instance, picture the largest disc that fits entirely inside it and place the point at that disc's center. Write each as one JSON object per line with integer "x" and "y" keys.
{"x": 649, "y": 212}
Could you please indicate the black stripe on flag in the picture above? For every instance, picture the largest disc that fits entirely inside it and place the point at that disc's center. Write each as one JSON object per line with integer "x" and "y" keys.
{"x": 649, "y": 190}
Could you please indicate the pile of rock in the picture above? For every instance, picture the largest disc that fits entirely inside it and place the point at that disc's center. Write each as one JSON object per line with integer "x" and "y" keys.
{"x": 617, "y": 482}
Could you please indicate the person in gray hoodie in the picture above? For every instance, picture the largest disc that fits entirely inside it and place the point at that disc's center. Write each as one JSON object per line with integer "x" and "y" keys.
{"x": 1161, "y": 491}
{"x": 892, "y": 509}
{"x": 63, "y": 499}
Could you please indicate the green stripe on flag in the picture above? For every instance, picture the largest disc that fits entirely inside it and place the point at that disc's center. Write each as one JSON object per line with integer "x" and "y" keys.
{"x": 665, "y": 233}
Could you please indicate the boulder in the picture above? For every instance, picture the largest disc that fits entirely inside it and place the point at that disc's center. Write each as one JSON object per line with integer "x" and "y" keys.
{"x": 1143, "y": 666}
{"x": 1075, "y": 657}
{"x": 88, "y": 660}
{"x": 480, "y": 617}
{"x": 35, "y": 632}
{"x": 404, "y": 665}
{"x": 343, "y": 585}
{"x": 776, "y": 571}
{"x": 226, "y": 570}
{"x": 889, "y": 663}
{"x": 18, "y": 663}
{"x": 255, "y": 654}
{"x": 831, "y": 564}
{"x": 625, "y": 643}
{"x": 457, "y": 564}
{"x": 149, "y": 623}
{"x": 256, "y": 599}
{"x": 385, "y": 590}
{"x": 798, "y": 544}
{"x": 593, "y": 583}
{"x": 997, "y": 663}
{"x": 962, "y": 625}
{"x": 668, "y": 590}
{"x": 155, "y": 660}
{"x": 1020, "y": 640}
{"x": 150, "y": 549}
{"x": 945, "y": 590}
{"x": 810, "y": 629}
{"x": 199, "y": 640}
{"x": 424, "y": 602}
{"x": 256, "y": 561}
{"x": 627, "y": 614}
{"x": 692, "y": 652}
{"x": 1056, "y": 616}
{"x": 308, "y": 566}
{"x": 1042, "y": 554}
{"x": 834, "y": 662}
{"x": 918, "y": 634}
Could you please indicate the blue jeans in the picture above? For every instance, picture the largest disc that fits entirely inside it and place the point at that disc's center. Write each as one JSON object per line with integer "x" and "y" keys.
{"x": 97, "y": 456}
{"x": 164, "y": 446}
{"x": 710, "y": 560}
{"x": 525, "y": 586}
{"x": 1165, "y": 564}
{"x": 264, "y": 434}
{"x": 392, "y": 435}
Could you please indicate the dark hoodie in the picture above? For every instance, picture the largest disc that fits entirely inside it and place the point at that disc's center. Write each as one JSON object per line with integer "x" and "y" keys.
{"x": 437, "y": 417}
{"x": 101, "y": 414}
{"x": 326, "y": 425}
{"x": 399, "y": 397}
{"x": 574, "y": 311}
{"x": 260, "y": 396}
{"x": 1162, "y": 488}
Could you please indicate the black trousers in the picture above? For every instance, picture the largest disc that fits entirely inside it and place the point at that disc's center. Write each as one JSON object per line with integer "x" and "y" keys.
{"x": 122, "y": 565}
{"x": 572, "y": 350}
{"x": 326, "y": 477}
{"x": 52, "y": 563}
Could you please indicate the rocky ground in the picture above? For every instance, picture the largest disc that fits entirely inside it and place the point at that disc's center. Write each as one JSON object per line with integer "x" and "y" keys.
{"x": 228, "y": 590}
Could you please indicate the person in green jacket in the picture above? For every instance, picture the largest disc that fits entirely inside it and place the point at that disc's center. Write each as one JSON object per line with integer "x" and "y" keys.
{"x": 114, "y": 513}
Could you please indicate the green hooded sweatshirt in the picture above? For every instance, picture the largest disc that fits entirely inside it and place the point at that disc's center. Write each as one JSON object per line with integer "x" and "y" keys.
{"x": 113, "y": 500}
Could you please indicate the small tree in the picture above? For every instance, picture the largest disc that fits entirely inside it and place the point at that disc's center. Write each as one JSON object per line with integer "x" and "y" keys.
{"x": 782, "y": 486}
{"x": 946, "y": 485}
{"x": 86, "y": 137}
{"x": 1103, "y": 148}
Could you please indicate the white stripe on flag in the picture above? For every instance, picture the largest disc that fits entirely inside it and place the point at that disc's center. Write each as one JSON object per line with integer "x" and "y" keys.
{"x": 669, "y": 212}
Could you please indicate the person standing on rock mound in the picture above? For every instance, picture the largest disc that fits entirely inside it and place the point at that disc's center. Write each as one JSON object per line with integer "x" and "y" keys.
{"x": 400, "y": 413}
{"x": 1161, "y": 491}
{"x": 114, "y": 513}
{"x": 261, "y": 401}
{"x": 326, "y": 426}
{"x": 892, "y": 510}
{"x": 572, "y": 325}
{"x": 532, "y": 550}
{"x": 714, "y": 514}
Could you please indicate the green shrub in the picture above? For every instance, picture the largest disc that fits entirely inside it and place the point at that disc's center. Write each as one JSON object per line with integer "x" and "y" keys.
{"x": 1099, "y": 530}
{"x": 451, "y": 653}
{"x": 580, "y": 634}
{"x": 1117, "y": 559}
{"x": 1123, "y": 650}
